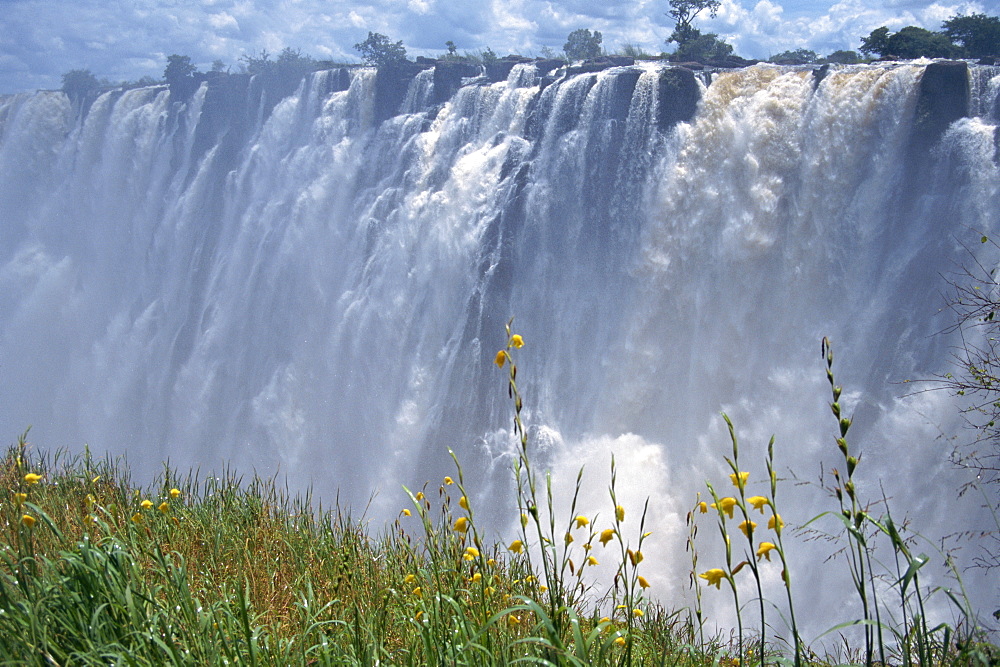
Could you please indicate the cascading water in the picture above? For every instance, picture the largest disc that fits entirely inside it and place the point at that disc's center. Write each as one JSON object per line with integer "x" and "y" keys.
{"x": 316, "y": 287}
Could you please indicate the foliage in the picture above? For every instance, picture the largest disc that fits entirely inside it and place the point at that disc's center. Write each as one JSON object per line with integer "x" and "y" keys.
{"x": 76, "y": 83}
{"x": 582, "y": 44}
{"x": 179, "y": 69}
{"x": 702, "y": 48}
{"x": 796, "y": 57}
{"x": 909, "y": 42}
{"x": 843, "y": 57}
{"x": 379, "y": 50}
{"x": 684, "y": 12}
{"x": 977, "y": 33}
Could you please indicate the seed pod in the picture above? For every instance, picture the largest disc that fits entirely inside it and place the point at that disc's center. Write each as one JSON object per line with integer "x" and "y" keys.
{"x": 842, "y": 444}
{"x": 852, "y": 463}
{"x": 836, "y": 392}
{"x": 845, "y": 424}
{"x": 849, "y": 487}
{"x": 836, "y": 409}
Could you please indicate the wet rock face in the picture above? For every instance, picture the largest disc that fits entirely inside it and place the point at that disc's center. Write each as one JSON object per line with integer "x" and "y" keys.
{"x": 678, "y": 96}
{"x": 944, "y": 98}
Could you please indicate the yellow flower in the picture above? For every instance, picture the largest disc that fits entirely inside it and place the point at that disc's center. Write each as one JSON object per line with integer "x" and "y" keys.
{"x": 739, "y": 480}
{"x": 524, "y": 520}
{"x": 517, "y": 546}
{"x": 491, "y": 562}
{"x": 146, "y": 504}
{"x": 620, "y": 641}
{"x": 406, "y": 512}
{"x": 490, "y": 590}
{"x": 28, "y": 521}
{"x": 637, "y": 612}
{"x": 32, "y": 478}
{"x": 164, "y": 507}
{"x": 758, "y": 502}
{"x": 500, "y": 358}
{"x": 713, "y": 576}
{"x": 477, "y": 577}
{"x": 606, "y": 535}
{"x": 20, "y": 498}
{"x": 764, "y": 550}
{"x": 417, "y": 592}
{"x": 136, "y": 518}
{"x": 513, "y": 620}
{"x": 643, "y": 582}
{"x": 420, "y": 495}
{"x": 747, "y": 526}
{"x": 591, "y": 560}
{"x": 517, "y": 341}
{"x": 463, "y": 503}
{"x": 448, "y": 481}
{"x": 703, "y": 507}
{"x": 175, "y": 493}
{"x": 409, "y": 579}
{"x": 620, "y": 512}
{"x": 775, "y": 522}
{"x": 727, "y": 505}
{"x": 568, "y": 538}
{"x": 542, "y": 589}
{"x": 471, "y": 553}
{"x": 462, "y": 524}
{"x": 581, "y": 521}
{"x": 418, "y": 615}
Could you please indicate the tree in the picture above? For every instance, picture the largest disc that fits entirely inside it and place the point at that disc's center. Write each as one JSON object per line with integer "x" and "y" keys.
{"x": 977, "y": 33}
{"x": 844, "y": 57}
{"x": 683, "y": 12}
{"x": 178, "y": 70}
{"x": 910, "y": 42}
{"x": 796, "y": 57}
{"x": 702, "y": 48}
{"x": 379, "y": 50}
{"x": 76, "y": 83}
{"x": 582, "y": 44}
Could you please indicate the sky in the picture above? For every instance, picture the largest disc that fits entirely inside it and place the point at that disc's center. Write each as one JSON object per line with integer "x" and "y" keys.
{"x": 128, "y": 39}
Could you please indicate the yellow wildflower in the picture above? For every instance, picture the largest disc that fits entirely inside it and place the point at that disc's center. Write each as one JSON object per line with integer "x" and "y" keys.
{"x": 448, "y": 481}
{"x": 758, "y": 502}
{"x": 175, "y": 493}
{"x": 406, "y": 512}
{"x": 703, "y": 507}
{"x": 568, "y": 538}
{"x": 146, "y": 504}
{"x": 20, "y": 498}
{"x": 418, "y": 615}
{"x": 775, "y": 522}
{"x": 542, "y": 589}
{"x": 164, "y": 507}
{"x": 471, "y": 553}
{"x": 637, "y": 612}
{"x": 517, "y": 546}
{"x": 417, "y": 592}
{"x": 463, "y": 503}
{"x": 643, "y": 582}
{"x": 620, "y": 641}
{"x": 28, "y": 521}
{"x": 517, "y": 341}
{"x": 620, "y": 512}
{"x": 747, "y": 527}
{"x": 500, "y": 358}
{"x": 490, "y": 590}
{"x": 591, "y": 560}
{"x": 764, "y": 550}
{"x": 581, "y": 521}
{"x": 588, "y": 546}
{"x": 606, "y": 535}
{"x": 136, "y": 518}
{"x": 491, "y": 562}
{"x": 420, "y": 495}
{"x": 409, "y": 579}
{"x": 477, "y": 577}
{"x": 32, "y": 478}
{"x": 513, "y": 620}
{"x": 713, "y": 576}
{"x": 739, "y": 480}
{"x": 462, "y": 524}
{"x": 727, "y": 505}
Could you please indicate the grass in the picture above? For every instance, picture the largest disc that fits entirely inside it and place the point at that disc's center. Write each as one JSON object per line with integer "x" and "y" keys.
{"x": 222, "y": 570}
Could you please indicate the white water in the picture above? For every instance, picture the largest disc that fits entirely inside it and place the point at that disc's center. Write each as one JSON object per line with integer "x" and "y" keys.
{"x": 323, "y": 299}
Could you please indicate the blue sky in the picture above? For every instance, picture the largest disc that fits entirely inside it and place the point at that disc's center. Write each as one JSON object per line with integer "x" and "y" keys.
{"x": 126, "y": 39}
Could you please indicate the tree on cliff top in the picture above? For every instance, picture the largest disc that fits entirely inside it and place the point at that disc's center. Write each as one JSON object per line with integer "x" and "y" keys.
{"x": 379, "y": 50}
{"x": 977, "y": 33}
{"x": 909, "y": 42}
{"x": 78, "y": 82}
{"x": 683, "y": 12}
{"x": 582, "y": 44}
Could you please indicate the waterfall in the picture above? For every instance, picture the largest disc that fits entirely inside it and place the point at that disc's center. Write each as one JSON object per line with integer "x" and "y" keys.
{"x": 316, "y": 286}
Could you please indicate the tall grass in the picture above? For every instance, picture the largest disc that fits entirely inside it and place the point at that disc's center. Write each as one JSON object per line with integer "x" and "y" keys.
{"x": 225, "y": 570}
